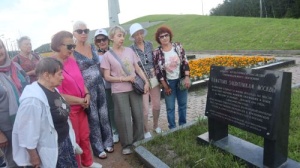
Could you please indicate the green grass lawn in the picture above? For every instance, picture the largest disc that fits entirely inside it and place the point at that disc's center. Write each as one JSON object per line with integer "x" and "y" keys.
{"x": 198, "y": 32}
{"x": 180, "y": 149}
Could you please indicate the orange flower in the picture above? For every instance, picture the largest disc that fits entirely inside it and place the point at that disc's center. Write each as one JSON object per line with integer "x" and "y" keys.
{"x": 200, "y": 67}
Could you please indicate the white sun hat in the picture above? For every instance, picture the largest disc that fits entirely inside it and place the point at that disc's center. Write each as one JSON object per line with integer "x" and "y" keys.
{"x": 134, "y": 28}
{"x": 101, "y": 32}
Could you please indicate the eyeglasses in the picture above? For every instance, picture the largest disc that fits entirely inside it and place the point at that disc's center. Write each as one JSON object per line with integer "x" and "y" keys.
{"x": 163, "y": 36}
{"x": 101, "y": 40}
{"x": 80, "y": 31}
{"x": 70, "y": 46}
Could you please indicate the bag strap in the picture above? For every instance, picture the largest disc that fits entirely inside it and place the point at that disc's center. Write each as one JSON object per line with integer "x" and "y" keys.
{"x": 118, "y": 59}
{"x": 35, "y": 55}
{"x": 141, "y": 62}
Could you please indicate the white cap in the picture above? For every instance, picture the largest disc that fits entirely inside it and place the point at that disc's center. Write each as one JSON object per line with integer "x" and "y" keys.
{"x": 101, "y": 32}
{"x": 134, "y": 28}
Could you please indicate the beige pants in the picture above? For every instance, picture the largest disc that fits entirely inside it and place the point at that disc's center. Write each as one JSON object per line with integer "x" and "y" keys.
{"x": 128, "y": 117}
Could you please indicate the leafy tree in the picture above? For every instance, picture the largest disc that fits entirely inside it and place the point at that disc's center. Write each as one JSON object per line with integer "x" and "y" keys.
{"x": 251, "y": 8}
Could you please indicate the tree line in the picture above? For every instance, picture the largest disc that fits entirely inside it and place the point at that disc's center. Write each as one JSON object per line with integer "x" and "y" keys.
{"x": 258, "y": 8}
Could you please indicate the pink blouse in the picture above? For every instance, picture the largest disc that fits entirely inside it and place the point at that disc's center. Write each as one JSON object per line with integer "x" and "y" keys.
{"x": 73, "y": 83}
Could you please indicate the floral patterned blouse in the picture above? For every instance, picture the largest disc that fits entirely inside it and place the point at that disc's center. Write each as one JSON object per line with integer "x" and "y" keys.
{"x": 159, "y": 61}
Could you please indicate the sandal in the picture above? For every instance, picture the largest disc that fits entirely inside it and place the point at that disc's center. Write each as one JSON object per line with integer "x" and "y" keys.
{"x": 109, "y": 149}
{"x": 102, "y": 155}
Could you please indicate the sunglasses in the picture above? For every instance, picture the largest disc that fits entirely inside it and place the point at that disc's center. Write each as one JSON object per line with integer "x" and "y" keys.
{"x": 163, "y": 36}
{"x": 101, "y": 40}
{"x": 70, "y": 46}
{"x": 80, "y": 31}
{"x": 146, "y": 59}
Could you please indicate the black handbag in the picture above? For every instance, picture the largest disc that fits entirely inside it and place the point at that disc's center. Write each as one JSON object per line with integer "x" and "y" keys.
{"x": 139, "y": 83}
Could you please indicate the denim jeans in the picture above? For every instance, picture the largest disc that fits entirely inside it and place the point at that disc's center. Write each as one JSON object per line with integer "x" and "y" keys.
{"x": 181, "y": 96}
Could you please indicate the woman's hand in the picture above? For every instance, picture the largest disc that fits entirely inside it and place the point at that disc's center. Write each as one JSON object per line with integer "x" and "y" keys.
{"x": 128, "y": 79}
{"x": 187, "y": 82}
{"x": 166, "y": 87}
{"x": 87, "y": 98}
{"x": 30, "y": 73}
{"x": 168, "y": 90}
{"x": 34, "y": 158}
{"x": 35, "y": 161}
{"x": 3, "y": 140}
{"x": 85, "y": 102}
{"x": 146, "y": 87}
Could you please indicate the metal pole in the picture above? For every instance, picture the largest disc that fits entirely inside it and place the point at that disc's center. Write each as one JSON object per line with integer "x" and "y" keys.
{"x": 113, "y": 11}
{"x": 202, "y": 7}
{"x": 260, "y": 6}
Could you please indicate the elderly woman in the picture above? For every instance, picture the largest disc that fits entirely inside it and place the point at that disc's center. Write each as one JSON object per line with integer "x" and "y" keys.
{"x": 42, "y": 135}
{"x": 75, "y": 93}
{"x": 88, "y": 62}
{"x": 127, "y": 104}
{"x": 144, "y": 49}
{"x": 171, "y": 66}
{"x": 101, "y": 41}
{"x": 12, "y": 81}
{"x": 26, "y": 58}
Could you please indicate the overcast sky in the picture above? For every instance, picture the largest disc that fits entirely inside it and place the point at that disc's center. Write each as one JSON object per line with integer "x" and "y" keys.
{"x": 40, "y": 19}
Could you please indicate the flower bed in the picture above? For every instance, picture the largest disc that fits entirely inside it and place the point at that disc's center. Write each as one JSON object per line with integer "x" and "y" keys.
{"x": 199, "y": 69}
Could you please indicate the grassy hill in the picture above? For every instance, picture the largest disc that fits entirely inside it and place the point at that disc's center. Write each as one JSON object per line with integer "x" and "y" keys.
{"x": 197, "y": 32}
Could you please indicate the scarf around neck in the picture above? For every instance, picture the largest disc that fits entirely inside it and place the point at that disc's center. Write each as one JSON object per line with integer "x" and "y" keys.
{"x": 10, "y": 68}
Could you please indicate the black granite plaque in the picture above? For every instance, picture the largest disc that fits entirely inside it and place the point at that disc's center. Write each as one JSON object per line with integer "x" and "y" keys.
{"x": 254, "y": 100}
{"x": 246, "y": 98}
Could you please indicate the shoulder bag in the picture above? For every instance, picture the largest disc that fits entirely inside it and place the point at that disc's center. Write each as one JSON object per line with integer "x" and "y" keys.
{"x": 181, "y": 83}
{"x": 153, "y": 81}
{"x": 139, "y": 83}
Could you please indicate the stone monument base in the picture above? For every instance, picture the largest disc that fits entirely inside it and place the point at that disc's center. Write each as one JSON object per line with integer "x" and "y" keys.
{"x": 250, "y": 153}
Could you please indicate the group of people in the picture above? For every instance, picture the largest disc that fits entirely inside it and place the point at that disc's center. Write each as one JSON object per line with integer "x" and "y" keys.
{"x": 61, "y": 110}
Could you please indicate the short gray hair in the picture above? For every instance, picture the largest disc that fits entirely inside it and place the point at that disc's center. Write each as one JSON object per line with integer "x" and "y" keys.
{"x": 48, "y": 64}
{"x": 23, "y": 39}
{"x": 77, "y": 24}
{"x": 112, "y": 31}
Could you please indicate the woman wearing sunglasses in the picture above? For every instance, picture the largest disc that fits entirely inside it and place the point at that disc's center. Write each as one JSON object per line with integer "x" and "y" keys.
{"x": 144, "y": 49}
{"x": 76, "y": 94}
{"x": 171, "y": 65}
{"x": 88, "y": 61}
{"x": 102, "y": 42}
